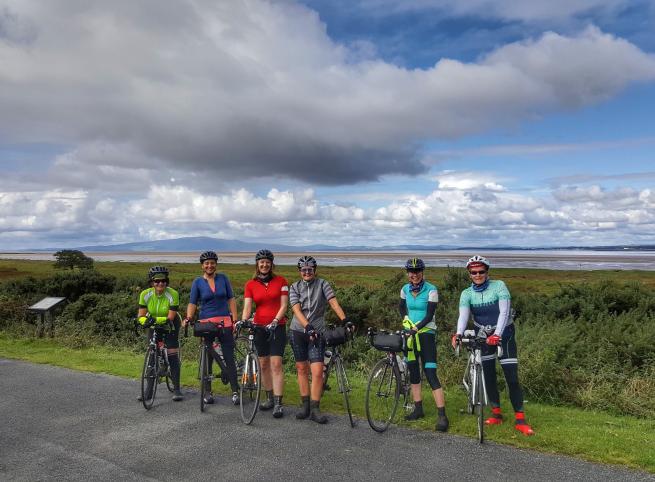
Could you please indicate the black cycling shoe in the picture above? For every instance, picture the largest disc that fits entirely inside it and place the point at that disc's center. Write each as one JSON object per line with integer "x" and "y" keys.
{"x": 316, "y": 414}
{"x": 209, "y": 399}
{"x": 304, "y": 411}
{"x": 268, "y": 403}
{"x": 416, "y": 413}
{"x": 442, "y": 423}
{"x": 177, "y": 396}
{"x": 235, "y": 398}
{"x": 278, "y": 412}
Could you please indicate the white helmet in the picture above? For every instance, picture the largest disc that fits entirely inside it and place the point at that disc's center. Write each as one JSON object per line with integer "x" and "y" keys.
{"x": 477, "y": 260}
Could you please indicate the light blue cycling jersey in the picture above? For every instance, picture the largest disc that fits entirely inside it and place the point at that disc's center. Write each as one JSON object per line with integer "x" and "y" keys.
{"x": 417, "y": 307}
{"x": 490, "y": 307}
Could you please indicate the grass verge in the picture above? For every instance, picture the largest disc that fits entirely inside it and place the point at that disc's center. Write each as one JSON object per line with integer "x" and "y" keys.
{"x": 590, "y": 435}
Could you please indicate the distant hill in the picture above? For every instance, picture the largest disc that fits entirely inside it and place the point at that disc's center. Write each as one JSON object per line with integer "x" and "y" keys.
{"x": 202, "y": 243}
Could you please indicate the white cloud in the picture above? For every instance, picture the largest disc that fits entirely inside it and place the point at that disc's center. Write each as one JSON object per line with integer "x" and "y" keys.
{"x": 464, "y": 216}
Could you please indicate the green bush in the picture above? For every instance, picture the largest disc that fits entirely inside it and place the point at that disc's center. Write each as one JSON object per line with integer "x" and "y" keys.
{"x": 589, "y": 345}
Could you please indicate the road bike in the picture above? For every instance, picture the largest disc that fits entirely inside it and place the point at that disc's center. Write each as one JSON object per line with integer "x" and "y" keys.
{"x": 156, "y": 368}
{"x": 250, "y": 373}
{"x": 473, "y": 380}
{"x": 389, "y": 379}
{"x": 208, "y": 351}
{"x": 334, "y": 338}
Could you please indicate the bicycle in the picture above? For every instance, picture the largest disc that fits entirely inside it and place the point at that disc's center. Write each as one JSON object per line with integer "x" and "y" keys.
{"x": 155, "y": 364}
{"x": 473, "y": 379}
{"x": 335, "y": 337}
{"x": 389, "y": 379}
{"x": 250, "y": 390}
{"x": 204, "y": 330}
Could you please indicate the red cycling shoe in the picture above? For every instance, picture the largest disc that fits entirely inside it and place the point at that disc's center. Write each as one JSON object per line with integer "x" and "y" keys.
{"x": 524, "y": 428}
{"x": 494, "y": 421}
{"x": 496, "y": 417}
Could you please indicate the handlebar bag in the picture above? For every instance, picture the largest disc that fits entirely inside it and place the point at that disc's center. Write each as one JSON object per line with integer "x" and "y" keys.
{"x": 335, "y": 336}
{"x": 388, "y": 342}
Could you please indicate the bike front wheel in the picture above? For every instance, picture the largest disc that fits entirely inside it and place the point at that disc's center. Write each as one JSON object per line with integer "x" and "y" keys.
{"x": 382, "y": 395}
{"x": 149, "y": 378}
{"x": 250, "y": 390}
{"x": 344, "y": 387}
{"x": 204, "y": 375}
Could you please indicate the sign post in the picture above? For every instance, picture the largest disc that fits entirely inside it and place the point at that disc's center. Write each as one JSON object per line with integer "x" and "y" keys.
{"x": 45, "y": 308}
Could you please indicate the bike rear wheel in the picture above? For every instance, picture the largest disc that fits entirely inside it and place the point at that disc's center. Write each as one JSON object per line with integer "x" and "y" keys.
{"x": 149, "y": 378}
{"x": 479, "y": 401}
{"x": 250, "y": 388}
{"x": 382, "y": 395}
{"x": 344, "y": 386}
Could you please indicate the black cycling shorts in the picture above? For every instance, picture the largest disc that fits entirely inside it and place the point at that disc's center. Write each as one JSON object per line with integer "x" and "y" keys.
{"x": 304, "y": 349}
{"x": 273, "y": 346}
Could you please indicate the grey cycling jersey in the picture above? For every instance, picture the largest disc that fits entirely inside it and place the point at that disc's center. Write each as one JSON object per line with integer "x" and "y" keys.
{"x": 313, "y": 297}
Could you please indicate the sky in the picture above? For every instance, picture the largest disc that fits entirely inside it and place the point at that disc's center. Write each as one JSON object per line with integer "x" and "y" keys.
{"x": 342, "y": 122}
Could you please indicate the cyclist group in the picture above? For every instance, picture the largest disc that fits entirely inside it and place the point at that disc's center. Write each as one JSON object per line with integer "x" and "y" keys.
{"x": 486, "y": 300}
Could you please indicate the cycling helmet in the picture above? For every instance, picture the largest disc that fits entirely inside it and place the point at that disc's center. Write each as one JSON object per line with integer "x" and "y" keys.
{"x": 264, "y": 254}
{"x": 414, "y": 264}
{"x": 158, "y": 272}
{"x": 307, "y": 262}
{"x": 477, "y": 260}
{"x": 208, "y": 255}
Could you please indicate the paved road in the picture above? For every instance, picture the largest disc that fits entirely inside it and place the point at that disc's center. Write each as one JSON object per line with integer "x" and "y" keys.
{"x": 61, "y": 424}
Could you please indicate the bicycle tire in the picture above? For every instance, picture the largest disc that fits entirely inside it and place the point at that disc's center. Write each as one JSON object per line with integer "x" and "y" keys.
{"x": 344, "y": 387}
{"x": 383, "y": 390}
{"x": 204, "y": 374}
{"x": 479, "y": 406}
{"x": 250, "y": 390}
{"x": 149, "y": 378}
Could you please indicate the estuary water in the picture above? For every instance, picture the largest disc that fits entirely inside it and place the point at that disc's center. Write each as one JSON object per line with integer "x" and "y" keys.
{"x": 543, "y": 259}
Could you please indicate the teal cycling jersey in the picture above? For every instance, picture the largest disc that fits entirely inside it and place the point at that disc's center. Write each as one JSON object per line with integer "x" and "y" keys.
{"x": 417, "y": 306}
{"x": 159, "y": 305}
{"x": 487, "y": 305}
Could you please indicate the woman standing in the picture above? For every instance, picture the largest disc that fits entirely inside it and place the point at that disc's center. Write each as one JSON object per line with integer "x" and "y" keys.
{"x": 418, "y": 303}
{"x": 489, "y": 302}
{"x": 309, "y": 298}
{"x": 270, "y": 294}
{"x": 214, "y": 293}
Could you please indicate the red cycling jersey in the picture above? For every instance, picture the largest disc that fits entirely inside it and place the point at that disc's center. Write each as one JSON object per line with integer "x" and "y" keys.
{"x": 267, "y": 298}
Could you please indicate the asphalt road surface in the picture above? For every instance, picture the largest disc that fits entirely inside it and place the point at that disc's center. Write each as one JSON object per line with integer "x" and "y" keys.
{"x": 67, "y": 425}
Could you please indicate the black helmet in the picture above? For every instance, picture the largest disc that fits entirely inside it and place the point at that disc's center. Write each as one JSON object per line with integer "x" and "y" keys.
{"x": 158, "y": 272}
{"x": 208, "y": 255}
{"x": 264, "y": 254}
{"x": 307, "y": 262}
{"x": 414, "y": 264}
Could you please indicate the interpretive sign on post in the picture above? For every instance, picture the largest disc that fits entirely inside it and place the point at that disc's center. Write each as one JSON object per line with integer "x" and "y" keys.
{"x": 45, "y": 308}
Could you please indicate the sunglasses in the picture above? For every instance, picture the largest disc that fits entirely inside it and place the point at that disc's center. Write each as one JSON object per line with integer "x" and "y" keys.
{"x": 414, "y": 271}
{"x": 159, "y": 281}
{"x": 477, "y": 272}
{"x": 307, "y": 270}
